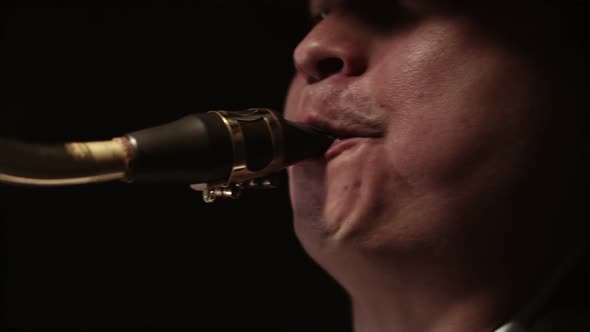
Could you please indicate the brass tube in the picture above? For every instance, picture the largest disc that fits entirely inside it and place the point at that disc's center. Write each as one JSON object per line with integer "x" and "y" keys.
{"x": 64, "y": 164}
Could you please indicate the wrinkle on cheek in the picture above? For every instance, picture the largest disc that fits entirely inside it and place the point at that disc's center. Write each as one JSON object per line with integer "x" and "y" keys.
{"x": 293, "y": 100}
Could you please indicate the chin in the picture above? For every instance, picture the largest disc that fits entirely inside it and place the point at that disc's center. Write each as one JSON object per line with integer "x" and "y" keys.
{"x": 307, "y": 193}
{"x": 337, "y": 203}
{"x": 330, "y": 229}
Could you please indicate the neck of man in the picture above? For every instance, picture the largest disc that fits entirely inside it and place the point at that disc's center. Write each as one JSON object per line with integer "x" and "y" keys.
{"x": 423, "y": 306}
{"x": 476, "y": 285}
{"x": 411, "y": 297}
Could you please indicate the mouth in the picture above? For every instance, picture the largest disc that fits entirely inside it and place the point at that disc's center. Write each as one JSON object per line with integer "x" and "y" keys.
{"x": 342, "y": 145}
{"x": 346, "y": 137}
{"x": 343, "y": 132}
{"x": 348, "y": 129}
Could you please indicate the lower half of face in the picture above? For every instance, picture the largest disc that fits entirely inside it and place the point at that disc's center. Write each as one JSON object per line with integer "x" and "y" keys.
{"x": 463, "y": 121}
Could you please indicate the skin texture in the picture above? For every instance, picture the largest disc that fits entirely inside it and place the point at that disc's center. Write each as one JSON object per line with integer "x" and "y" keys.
{"x": 427, "y": 213}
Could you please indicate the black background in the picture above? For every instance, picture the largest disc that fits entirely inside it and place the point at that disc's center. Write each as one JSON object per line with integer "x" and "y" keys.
{"x": 131, "y": 255}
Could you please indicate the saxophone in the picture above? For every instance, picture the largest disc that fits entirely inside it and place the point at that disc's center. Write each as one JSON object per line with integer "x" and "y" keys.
{"x": 219, "y": 153}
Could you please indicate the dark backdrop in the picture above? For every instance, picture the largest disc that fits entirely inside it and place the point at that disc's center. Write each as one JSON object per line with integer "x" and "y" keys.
{"x": 130, "y": 255}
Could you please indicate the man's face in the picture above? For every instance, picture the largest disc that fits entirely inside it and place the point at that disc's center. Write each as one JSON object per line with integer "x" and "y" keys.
{"x": 440, "y": 121}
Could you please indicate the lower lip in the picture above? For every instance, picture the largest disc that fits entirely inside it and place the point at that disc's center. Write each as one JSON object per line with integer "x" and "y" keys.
{"x": 339, "y": 146}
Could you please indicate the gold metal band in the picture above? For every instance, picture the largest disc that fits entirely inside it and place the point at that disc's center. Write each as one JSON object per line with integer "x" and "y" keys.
{"x": 240, "y": 171}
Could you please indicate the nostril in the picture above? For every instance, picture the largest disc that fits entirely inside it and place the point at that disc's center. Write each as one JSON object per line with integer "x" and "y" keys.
{"x": 329, "y": 66}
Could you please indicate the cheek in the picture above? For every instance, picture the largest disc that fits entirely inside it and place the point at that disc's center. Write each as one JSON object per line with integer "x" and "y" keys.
{"x": 452, "y": 109}
{"x": 437, "y": 152}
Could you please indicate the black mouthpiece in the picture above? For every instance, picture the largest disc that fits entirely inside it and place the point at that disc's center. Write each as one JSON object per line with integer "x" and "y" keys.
{"x": 218, "y": 147}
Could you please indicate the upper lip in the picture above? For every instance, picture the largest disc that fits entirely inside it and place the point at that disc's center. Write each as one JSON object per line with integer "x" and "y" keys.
{"x": 341, "y": 108}
{"x": 342, "y": 130}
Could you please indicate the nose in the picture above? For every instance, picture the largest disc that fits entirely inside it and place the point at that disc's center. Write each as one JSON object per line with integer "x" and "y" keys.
{"x": 334, "y": 46}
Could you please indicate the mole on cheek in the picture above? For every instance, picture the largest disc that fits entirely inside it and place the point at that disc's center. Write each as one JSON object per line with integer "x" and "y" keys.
{"x": 353, "y": 185}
